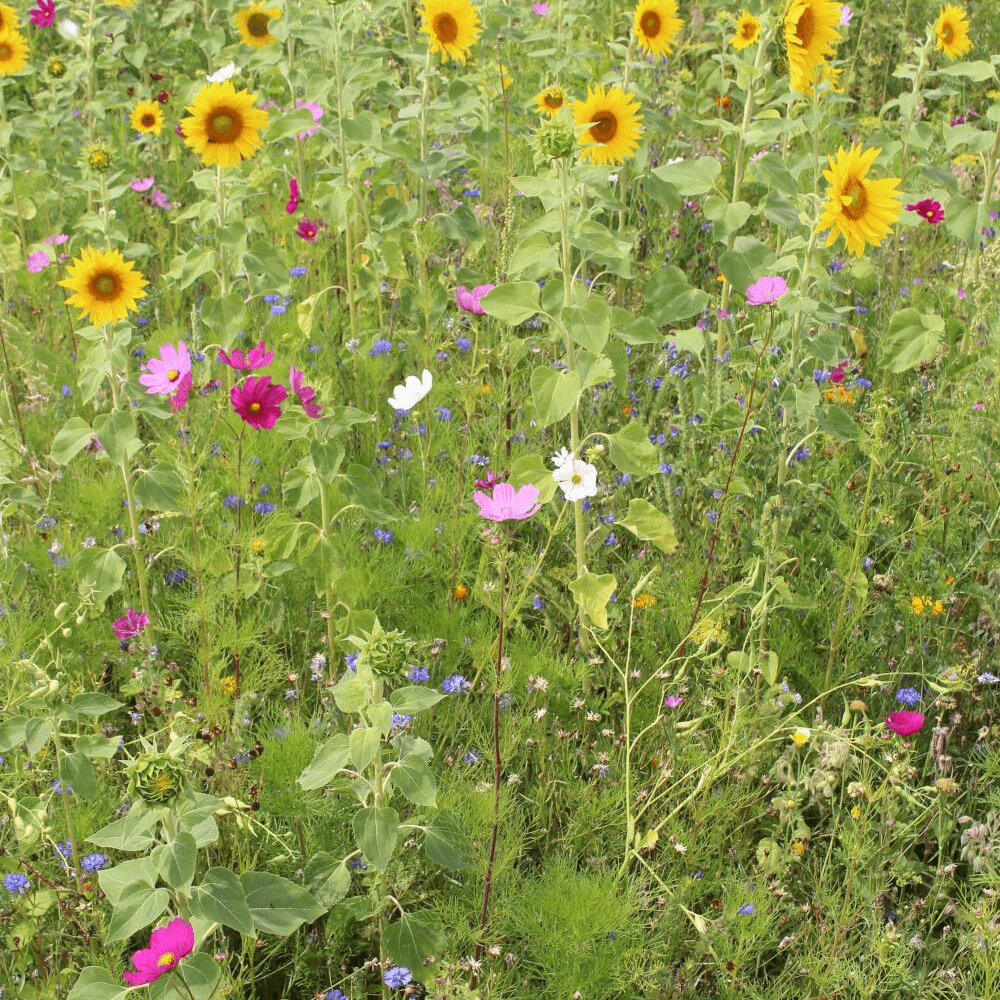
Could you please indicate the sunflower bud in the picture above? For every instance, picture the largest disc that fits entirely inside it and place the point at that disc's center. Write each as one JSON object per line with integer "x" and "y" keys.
{"x": 98, "y": 158}
{"x": 554, "y": 139}
{"x": 157, "y": 778}
{"x": 57, "y": 68}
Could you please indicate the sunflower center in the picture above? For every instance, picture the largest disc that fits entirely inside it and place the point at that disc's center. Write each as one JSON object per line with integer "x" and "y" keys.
{"x": 167, "y": 958}
{"x": 858, "y": 204}
{"x": 650, "y": 24}
{"x": 173, "y": 375}
{"x": 553, "y": 100}
{"x": 257, "y": 25}
{"x": 605, "y": 126}
{"x": 254, "y": 407}
{"x": 947, "y": 32}
{"x": 148, "y": 120}
{"x": 163, "y": 784}
{"x": 6, "y": 52}
{"x": 104, "y": 286}
{"x": 749, "y": 30}
{"x": 806, "y": 28}
{"x": 445, "y": 28}
{"x": 224, "y": 125}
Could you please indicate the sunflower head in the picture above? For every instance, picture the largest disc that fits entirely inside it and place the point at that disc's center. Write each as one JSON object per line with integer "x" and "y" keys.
{"x": 451, "y": 26}
{"x": 655, "y": 25}
{"x": 811, "y": 34}
{"x": 224, "y": 127}
{"x": 254, "y": 24}
{"x": 9, "y": 20}
{"x": 105, "y": 286}
{"x": 13, "y": 51}
{"x": 550, "y": 101}
{"x": 952, "y": 31}
{"x": 97, "y": 156}
{"x": 747, "y": 30}
{"x": 858, "y": 208}
{"x": 554, "y": 139}
{"x": 57, "y": 68}
{"x": 613, "y": 117}
{"x": 147, "y": 117}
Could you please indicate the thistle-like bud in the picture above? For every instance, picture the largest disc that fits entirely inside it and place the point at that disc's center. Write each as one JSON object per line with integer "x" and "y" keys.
{"x": 159, "y": 779}
{"x": 554, "y": 139}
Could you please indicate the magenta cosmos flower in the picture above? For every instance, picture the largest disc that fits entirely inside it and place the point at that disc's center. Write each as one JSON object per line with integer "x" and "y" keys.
{"x": 43, "y": 13}
{"x": 257, "y": 401}
{"x": 469, "y": 300}
{"x": 905, "y": 723}
{"x": 508, "y": 504}
{"x": 766, "y": 291}
{"x": 292, "y": 205}
{"x": 307, "y": 230}
{"x": 130, "y": 624}
{"x": 166, "y": 374}
{"x": 167, "y": 946}
{"x": 304, "y": 393}
{"x": 929, "y": 209}
{"x": 256, "y": 357}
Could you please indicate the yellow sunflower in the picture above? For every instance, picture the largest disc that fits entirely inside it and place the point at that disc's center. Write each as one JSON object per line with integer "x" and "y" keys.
{"x": 747, "y": 30}
{"x": 952, "y": 31}
{"x": 254, "y": 23}
{"x": 451, "y": 26}
{"x": 550, "y": 100}
{"x": 655, "y": 25}
{"x": 861, "y": 210}
{"x": 147, "y": 117}
{"x": 224, "y": 127}
{"x": 614, "y": 121}
{"x": 810, "y": 36}
{"x": 106, "y": 287}
{"x": 8, "y": 18}
{"x": 13, "y": 52}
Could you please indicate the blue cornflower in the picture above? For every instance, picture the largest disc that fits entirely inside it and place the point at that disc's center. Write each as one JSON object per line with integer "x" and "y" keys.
{"x": 380, "y": 347}
{"x": 297, "y": 272}
{"x": 400, "y": 721}
{"x": 63, "y": 851}
{"x": 417, "y": 674}
{"x": 383, "y": 536}
{"x": 272, "y": 297}
{"x": 712, "y": 515}
{"x": 454, "y": 684}
{"x": 174, "y": 577}
{"x": 351, "y": 661}
{"x": 908, "y": 696}
{"x": 611, "y": 540}
{"x": 278, "y": 309}
{"x": 334, "y": 994}
{"x": 473, "y": 756}
{"x": 746, "y": 910}
{"x": 463, "y": 344}
{"x": 988, "y": 678}
{"x": 231, "y": 502}
{"x": 537, "y": 603}
{"x": 862, "y": 383}
{"x": 263, "y": 507}
{"x": 16, "y": 883}
{"x": 397, "y": 977}
{"x": 443, "y": 413}
{"x": 59, "y": 788}
{"x": 94, "y": 862}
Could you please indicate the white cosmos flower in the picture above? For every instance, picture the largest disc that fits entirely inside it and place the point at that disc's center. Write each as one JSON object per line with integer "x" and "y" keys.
{"x": 223, "y": 73}
{"x": 407, "y": 395}
{"x": 578, "y": 479}
{"x": 561, "y": 457}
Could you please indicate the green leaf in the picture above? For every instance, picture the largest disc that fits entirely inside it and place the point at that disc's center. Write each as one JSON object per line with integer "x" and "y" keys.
{"x": 837, "y": 422}
{"x": 376, "y": 830}
{"x": 412, "y": 939}
{"x": 161, "y": 488}
{"x": 176, "y": 861}
{"x": 37, "y": 732}
{"x": 690, "y": 177}
{"x": 224, "y": 315}
{"x": 360, "y": 487}
{"x": 72, "y": 438}
{"x": 534, "y": 255}
{"x": 12, "y": 732}
{"x": 806, "y": 400}
{"x": 365, "y": 741}
{"x": 99, "y": 575}
{"x": 328, "y": 879}
{"x": 77, "y": 772}
{"x": 649, "y": 524}
{"x": 554, "y": 393}
{"x": 588, "y": 325}
{"x": 913, "y": 338}
{"x": 594, "y": 370}
{"x": 413, "y": 778}
{"x": 727, "y": 216}
{"x": 670, "y": 297}
{"x": 277, "y": 905}
{"x": 126, "y": 874}
{"x": 118, "y": 435}
{"x": 445, "y": 841}
{"x": 130, "y": 833}
{"x": 965, "y": 219}
{"x": 95, "y": 983}
{"x": 282, "y": 126}
{"x": 979, "y": 71}
{"x": 513, "y": 302}
{"x": 94, "y": 703}
{"x": 327, "y": 457}
{"x": 531, "y": 468}
{"x": 631, "y": 451}
{"x": 138, "y": 906}
{"x": 327, "y": 762}
{"x": 592, "y": 593}
{"x": 220, "y": 898}
{"x": 411, "y": 698}
{"x": 351, "y": 693}
{"x": 634, "y": 330}
{"x": 746, "y": 262}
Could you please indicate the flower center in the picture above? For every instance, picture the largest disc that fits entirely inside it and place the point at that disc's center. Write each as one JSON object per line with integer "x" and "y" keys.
{"x": 6, "y": 52}
{"x": 806, "y": 28}
{"x": 605, "y": 126}
{"x": 173, "y": 375}
{"x": 148, "y": 120}
{"x": 167, "y": 958}
{"x": 650, "y": 24}
{"x": 445, "y": 28}
{"x": 947, "y": 32}
{"x": 553, "y": 100}
{"x": 858, "y": 204}
{"x": 104, "y": 285}
{"x": 576, "y": 478}
{"x": 257, "y": 25}
{"x": 254, "y": 407}
{"x": 222, "y": 124}
{"x": 749, "y": 30}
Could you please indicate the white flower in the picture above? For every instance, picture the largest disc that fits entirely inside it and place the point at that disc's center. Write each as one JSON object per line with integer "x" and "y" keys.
{"x": 68, "y": 28}
{"x": 406, "y": 396}
{"x": 577, "y": 479}
{"x": 223, "y": 73}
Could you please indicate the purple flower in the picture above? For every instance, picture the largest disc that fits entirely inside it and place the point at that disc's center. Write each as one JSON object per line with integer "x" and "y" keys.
{"x": 397, "y": 977}
{"x": 130, "y": 624}
{"x": 304, "y": 393}
{"x": 469, "y": 300}
{"x": 256, "y": 357}
{"x": 292, "y": 205}
{"x": 766, "y": 291}
{"x": 43, "y": 13}
{"x": 37, "y": 261}
{"x": 673, "y": 701}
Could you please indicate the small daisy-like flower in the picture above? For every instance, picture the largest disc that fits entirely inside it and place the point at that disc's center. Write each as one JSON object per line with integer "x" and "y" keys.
{"x": 747, "y": 30}
{"x": 147, "y": 117}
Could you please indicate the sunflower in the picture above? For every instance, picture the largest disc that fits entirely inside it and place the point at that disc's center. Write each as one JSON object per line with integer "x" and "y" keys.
{"x": 452, "y": 27}
{"x": 13, "y": 52}
{"x": 952, "y": 31}
{"x": 224, "y": 126}
{"x": 747, "y": 30}
{"x": 550, "y": 100}
{"x": 254, "y": 23}
{"x": 105, "y": 286}
{"x": 8, "y": 18}
{"x": 655, "y": 24}
{"x": 861, "y": 210}
{"x": 810, "y": 36}
{"x": 615, "y": 124}
{"x": 147, "y": 117}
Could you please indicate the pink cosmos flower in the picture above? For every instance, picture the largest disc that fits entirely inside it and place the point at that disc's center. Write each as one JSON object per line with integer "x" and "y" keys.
{"x": 905, "y": 723}
{"x": 929, "y": 209}
{"x": 129, "y": 626}
{"x": 673, "y": 701}
{"x": 159, "y": 199}
{"x": 258, "y": 401}
{"x": 845, "y": 15}
{"x": 541, "y": 9}
{"x": 317, "y": 113}
{"x": 167, "y": 946}
{"x": 180, "y": 397}
{"x": 469, "y": 300}
{"x": 766, "y": 291}
{"x": 292, "y": 205}
{"x": 307, "y": 230}
{"x": 142, "y": 183}
{"x": 838, "y": 372}
{"x": 304, "y": 393}
{"x": 256, "y": 357}
{"x": 508, "y": 504}
{"x": 56, "y": 240}
{"x": 37, "y": 261}
{"x": 165, "y": 375}
{"x": 43, "y": 13}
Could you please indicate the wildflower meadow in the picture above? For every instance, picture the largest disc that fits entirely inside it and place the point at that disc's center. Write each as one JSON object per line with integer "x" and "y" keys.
{"x": 499, "y": 500}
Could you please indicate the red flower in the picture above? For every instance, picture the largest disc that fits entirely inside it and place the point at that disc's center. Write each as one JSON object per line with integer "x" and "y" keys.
{"x": 928, "y": 209}
{"x": 905, "y": 723}
{"x": 293, "y": 196}
{"x": 130, "y": 624}
{"x": 256, "y": 357}
{"x": 304, "y": 393}
{"x": 43, "y": 13}
{"x": 307, "y": 230}
{"x": 257, "y": 401}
